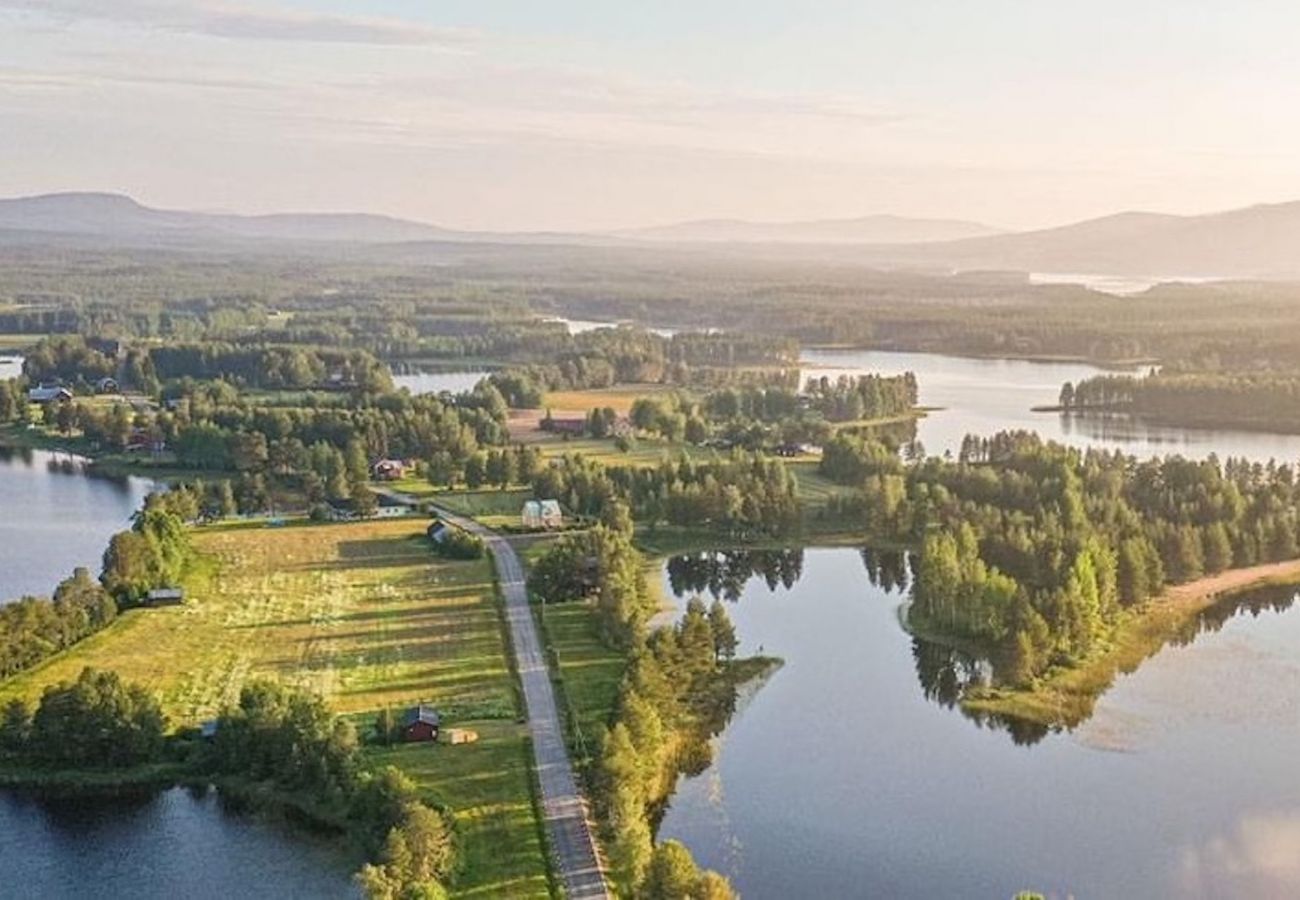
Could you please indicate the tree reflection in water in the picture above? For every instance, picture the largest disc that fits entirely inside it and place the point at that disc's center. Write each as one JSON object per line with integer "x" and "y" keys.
{"x": 945, "y": 672}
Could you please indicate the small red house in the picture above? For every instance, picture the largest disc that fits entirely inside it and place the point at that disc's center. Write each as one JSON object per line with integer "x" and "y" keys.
{"x": 421, "y": 724}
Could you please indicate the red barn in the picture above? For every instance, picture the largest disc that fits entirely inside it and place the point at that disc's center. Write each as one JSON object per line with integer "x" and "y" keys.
{"x": 421, "y": 724}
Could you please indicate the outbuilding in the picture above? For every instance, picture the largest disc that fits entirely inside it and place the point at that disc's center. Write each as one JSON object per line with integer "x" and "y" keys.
{"x": 421, "y": 724}
{"x": 167, "y": 596}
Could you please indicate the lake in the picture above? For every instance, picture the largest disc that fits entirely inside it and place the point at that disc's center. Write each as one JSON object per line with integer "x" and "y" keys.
{"x": 849, "y": 774}
{"x": 985, "y": 396}
{"x": 1116, "y": 285}
{"x": 158, "y": 844}
{"x": 54, "y": 516}
{"x": 581, "y": 326}
{"x": 437, "y": 382}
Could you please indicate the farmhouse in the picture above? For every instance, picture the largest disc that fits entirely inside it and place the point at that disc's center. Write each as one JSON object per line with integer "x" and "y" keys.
{"x": 542, "y": 514}
{"x": 49, "y": 393}
{"x": 421, "y": 724}
{"x": 572, "y": 426}
{"x": 389, "y": 470}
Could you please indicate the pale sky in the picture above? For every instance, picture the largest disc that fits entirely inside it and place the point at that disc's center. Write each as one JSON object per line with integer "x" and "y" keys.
{"x": 562, "y": 114}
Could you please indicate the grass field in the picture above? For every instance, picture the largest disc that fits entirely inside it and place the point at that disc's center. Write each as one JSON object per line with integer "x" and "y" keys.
{"x": 18, "y": 341}
{"x": 619, "y": 398}
{"x": 590, "y": 672}
{"x": 364, "y": 614}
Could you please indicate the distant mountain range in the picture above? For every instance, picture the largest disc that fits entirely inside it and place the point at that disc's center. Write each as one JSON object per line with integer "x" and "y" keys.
{"x": 118, "y": 216}
{"x": 865, "y": 230}
{"x": 1254, "y": 242}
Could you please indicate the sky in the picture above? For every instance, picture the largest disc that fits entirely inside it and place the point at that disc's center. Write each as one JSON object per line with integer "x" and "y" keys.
{"x": 597, "y": 115}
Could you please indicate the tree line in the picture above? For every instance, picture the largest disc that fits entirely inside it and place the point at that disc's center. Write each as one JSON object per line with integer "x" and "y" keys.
{"x": 1263, "y": 401}
{"x": 1033, "y": 548}
{"x": 675, "y": 694}
{"x": 153, "y": 553}
{"x": 740, "y": 494}
{"x": 273, "y": 736}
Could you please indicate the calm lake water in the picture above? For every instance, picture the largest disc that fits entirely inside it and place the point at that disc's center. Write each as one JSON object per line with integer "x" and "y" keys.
{"x": 55, "y": 516}
{"x": 848, "y": 774}
{"x": 437, "y": 382}
{"x": 580, "y": 326}
{"x": 161, "y": 845}
{"x": 985, "y": 396}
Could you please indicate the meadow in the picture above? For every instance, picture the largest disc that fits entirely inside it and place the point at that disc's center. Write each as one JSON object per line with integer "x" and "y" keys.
{"x": 368, "y": 617}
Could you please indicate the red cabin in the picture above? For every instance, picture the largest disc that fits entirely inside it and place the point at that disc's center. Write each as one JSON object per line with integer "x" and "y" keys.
{"x": 421, "y": 724}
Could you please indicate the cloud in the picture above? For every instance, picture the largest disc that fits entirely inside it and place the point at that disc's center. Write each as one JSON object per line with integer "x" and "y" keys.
{"x": 1260, "y": 857}
{"x": 214, "y": 19}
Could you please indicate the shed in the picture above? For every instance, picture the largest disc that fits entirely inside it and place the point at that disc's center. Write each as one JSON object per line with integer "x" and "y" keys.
{"x": 437, "y": 531}
{"x": 168, "y": 596}
{"x": 106, "y": 385}
{"x": 389, "y": 506}
{"x": 421, "y": 724}
{"x": 208, "y": 729}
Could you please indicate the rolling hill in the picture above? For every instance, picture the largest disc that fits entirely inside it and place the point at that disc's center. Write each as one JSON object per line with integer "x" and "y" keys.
{"x": 864, "y": 230}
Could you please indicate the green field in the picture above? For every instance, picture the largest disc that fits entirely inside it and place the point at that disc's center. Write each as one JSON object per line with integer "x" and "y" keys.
{"x": 365, "y": 615}
{"x": 589, "y": 673}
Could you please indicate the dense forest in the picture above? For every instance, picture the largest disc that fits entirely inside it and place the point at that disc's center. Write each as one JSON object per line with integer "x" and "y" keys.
{"x": 477, "y": 302}
{"x": 1034, "y": 548}
{"x": 1263, "y": 401}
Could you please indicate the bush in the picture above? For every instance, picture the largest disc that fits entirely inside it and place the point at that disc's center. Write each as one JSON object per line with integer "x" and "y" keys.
{"x": 457, "y": 543}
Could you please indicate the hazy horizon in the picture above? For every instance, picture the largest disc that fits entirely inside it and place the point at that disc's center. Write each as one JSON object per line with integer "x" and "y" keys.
{"x": 598, "y": 117}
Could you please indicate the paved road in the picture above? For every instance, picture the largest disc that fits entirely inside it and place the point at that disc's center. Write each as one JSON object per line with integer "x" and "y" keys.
{"x": 566, "y": 818}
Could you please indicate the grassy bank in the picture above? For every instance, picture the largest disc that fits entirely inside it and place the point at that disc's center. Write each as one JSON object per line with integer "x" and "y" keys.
{"x": 1066, "y": 697}
{"x": 368, "y": 617}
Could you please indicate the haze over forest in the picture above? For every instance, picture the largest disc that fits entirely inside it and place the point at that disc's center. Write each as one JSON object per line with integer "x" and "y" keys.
{"x": 1254, "y": 242}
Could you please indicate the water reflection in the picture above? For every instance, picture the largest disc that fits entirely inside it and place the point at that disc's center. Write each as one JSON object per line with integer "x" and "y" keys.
{"x": 724, "y": 573}
{"x": 69, "y": 509}
{"x": 151, "y": 843}
{"x": 945, "y": 673}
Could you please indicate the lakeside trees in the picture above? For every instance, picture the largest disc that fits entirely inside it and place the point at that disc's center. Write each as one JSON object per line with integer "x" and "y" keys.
{"x": 1265, "y": 401}
{"x": 1033, "y": 548}
{"x": 741, "y": 494}
{"x": 290, "y": 738}
{"x": 96, "y": 722}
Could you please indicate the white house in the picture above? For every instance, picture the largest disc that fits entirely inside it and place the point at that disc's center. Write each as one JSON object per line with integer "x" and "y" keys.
{"x": 542, "y": 514}
{"x": 390, "y": 506}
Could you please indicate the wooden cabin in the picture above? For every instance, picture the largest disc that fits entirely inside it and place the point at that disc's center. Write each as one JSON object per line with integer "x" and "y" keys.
{"x": 421, "y": 724}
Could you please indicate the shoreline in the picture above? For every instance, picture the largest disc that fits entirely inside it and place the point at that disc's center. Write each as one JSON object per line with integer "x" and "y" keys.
{"x": 1065, "y": 698}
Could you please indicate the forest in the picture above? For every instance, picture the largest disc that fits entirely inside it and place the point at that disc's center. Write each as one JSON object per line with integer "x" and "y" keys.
{"x": 490, "y": 303}
{"x": 1264, "y": 401}
{"x": 1034, "y": 549}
